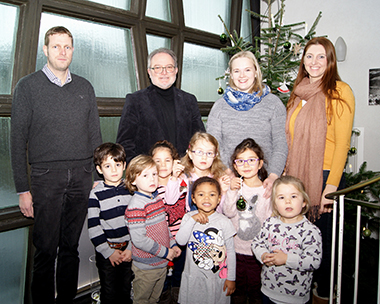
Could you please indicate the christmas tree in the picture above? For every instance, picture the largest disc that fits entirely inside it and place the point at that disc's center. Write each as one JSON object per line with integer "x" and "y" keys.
{"x": 277, "y": 49}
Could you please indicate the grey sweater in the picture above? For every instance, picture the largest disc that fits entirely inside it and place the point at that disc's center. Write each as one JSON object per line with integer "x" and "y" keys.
{"x": 265, "y": 123}
{"x": 58, "y": 126}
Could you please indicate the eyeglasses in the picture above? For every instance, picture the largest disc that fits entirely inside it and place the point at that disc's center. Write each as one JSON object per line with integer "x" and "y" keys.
{"x": 249, "y": 161}
{"x": 159, "y": 69}
{"x": 201, "y": 153}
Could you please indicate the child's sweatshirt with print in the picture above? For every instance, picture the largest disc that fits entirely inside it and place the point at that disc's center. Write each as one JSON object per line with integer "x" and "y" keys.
{"x": 302, "y": 242}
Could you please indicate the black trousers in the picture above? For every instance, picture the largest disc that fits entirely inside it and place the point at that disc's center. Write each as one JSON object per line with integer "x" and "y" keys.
{"x": 60, "y": 200}
{"x": 115, "y": 282}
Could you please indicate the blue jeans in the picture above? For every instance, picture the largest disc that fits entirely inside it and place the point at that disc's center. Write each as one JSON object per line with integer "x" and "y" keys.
{"x": 60, "y": 199}
{"x": 115, "y": 281}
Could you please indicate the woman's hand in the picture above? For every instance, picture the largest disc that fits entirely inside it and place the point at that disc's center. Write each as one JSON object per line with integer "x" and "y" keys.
{"x": 268, "y": 184}
{"x": 327, "y": 204}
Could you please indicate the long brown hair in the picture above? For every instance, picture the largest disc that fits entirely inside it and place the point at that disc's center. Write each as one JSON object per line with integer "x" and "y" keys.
{"x": 329, "y": 78}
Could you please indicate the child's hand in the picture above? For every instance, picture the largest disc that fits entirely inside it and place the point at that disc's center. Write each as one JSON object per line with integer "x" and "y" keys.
{"x": 200, "y": 218}
{"x": 235, "y": 183}
{"x": 177, "y": 168}
{"x": 277, "y": 258}
{"x": 230, "y": 285}
{"x": 171, "y": 255}
{"x": 116, "y": 257}
{"x": 224, "y": 183}
{"x": 127, "y": 255}
{"x": 280, "y": 257}
{"x": 177, "y": 251}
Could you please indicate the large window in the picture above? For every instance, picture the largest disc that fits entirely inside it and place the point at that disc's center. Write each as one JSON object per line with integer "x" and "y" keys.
{"x": 159, "y": 9}
{"x": 13, "y": 249}
{"x": 8, "y": 195}
{"x": 9, "y": 18}
{"x": 201, "y": 65}
{"x": 203, "y": 15}
{"x": 155, "y": 42}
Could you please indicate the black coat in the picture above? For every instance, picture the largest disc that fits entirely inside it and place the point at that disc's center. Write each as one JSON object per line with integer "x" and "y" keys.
{"x": 141, "y": 121}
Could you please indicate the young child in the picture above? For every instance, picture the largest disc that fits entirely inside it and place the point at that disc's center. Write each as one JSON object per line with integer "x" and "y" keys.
{"x": 247, "y": 208}
{"x": 289, "y": 245}
{"x": 210, "y": 248}
{"x": 152, "y": 243}
{"x": 106, "y": 225}
{"x": 202, "y": 159}
{"x": 169, "y": 169}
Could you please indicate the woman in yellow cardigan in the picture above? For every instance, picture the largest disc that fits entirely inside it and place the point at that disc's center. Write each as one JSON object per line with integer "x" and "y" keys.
{"x": 320, "y": 115}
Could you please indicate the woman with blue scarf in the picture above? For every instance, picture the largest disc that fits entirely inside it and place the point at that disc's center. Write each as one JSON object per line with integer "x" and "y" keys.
{"x": 249, "y": 109}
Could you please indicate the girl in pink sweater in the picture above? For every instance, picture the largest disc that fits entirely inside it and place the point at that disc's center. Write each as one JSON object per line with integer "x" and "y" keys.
{"x": 247, "y": 208}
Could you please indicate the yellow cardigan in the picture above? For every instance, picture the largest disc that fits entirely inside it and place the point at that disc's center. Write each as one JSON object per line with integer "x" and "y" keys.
{"x": 338, "y": 134}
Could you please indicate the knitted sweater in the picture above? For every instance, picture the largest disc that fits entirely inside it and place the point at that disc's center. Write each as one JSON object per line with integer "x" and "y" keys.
{"x": 58, "y": 126}
{"x": 265, "y": 123}
{"x": 150, "y": 235}
{"x": 106, "y": 208}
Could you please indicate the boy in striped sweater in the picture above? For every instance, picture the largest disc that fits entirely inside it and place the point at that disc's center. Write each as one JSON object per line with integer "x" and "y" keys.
{"x": 152, "y": 243}
{"x": 106, "y": 225}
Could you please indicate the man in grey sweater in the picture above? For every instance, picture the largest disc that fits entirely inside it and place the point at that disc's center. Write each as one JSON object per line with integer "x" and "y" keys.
{"x": 55, "y": 126}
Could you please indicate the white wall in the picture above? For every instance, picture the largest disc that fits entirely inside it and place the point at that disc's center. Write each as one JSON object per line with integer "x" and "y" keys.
{"x": 358, "y": 23}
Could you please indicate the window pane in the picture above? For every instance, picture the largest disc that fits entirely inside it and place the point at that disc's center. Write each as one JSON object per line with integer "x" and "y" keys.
{"x": 123, "y": 4}
{"x": 201, "y": 65}
{"x": 8, "y": 196}
{"x": 9, "y": 22}
{"x": 102, "y": 54}
{"x": 197, "y": 14}
{"x": 159, "y": 9}
{"x": 13, "y": 248}
{"x": 155, "y": 42}
{"x": 246, "y": 28}
{"x": 109, "y": 127}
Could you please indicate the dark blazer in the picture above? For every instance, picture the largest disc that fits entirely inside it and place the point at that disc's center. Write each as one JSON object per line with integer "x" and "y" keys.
{"x": 141, "y": 121}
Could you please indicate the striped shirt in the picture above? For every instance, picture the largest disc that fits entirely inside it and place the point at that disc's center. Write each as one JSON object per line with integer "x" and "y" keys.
{"x": 106, "y": 208}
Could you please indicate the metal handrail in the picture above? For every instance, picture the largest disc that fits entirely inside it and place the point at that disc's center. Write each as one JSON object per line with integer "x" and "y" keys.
{"x": 340, "y": 194}
{"x": 334, "y": 195}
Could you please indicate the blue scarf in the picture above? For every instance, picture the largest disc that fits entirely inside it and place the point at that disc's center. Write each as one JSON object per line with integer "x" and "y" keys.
{"x": 241, "y": 101}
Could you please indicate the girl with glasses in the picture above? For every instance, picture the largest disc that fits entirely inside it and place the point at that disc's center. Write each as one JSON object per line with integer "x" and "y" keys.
{"x": 201, "y": 159}
{"x": 247, "y": 208}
